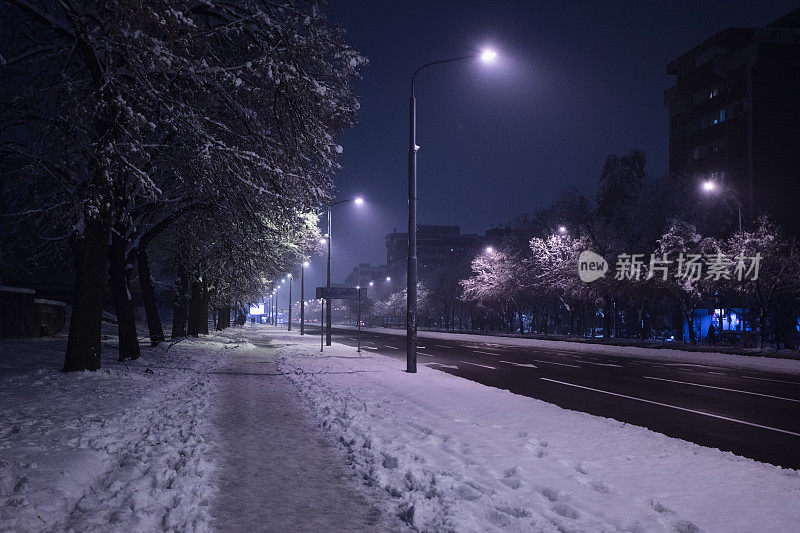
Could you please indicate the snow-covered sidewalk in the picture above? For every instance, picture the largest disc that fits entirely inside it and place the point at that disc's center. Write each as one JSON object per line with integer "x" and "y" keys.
{"x": 276, "y": 471}
{"x": 204, "y": 435}
{"x": 456, "y": 455}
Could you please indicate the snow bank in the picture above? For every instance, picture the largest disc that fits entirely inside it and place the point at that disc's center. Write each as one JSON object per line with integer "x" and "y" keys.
{"x": 459, "y": 456}
{"x": 767, "y": 364}
{"x": 120, "y": 449}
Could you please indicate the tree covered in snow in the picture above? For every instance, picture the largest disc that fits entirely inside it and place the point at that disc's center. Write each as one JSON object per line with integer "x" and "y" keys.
{"x": 764, "y": 265}
{"x": 124, "y": 116}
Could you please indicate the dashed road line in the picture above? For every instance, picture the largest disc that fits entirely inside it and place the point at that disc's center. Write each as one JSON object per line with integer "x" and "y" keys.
{"x": 598, "y": 364}
{"x": 775, "y": 380}
{"x": 476, "y": 364}
{"x": 527, "y": 365}
{"x": 486, "y": 353}
{"x": 554, "y": 363}
{"x": 391, "y": 347}
{"x": 712, "y": 415}
{"x": 726, "y": 389}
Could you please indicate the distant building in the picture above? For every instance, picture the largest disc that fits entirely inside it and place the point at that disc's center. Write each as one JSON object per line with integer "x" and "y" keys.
{"x": 362, "y": 274}
{"x": 734, "y": 112}
{"x": 437, "y": 247}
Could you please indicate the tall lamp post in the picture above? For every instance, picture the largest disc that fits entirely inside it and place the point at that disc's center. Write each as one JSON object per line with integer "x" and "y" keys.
{"x": 486, "y": 56}
{"x": 289, "y": 328}
{"x": 275, "y": 316}
{"x": 358, "y": 201}
{"x": 303, "y": 297}
{"x": 710, "y": 187}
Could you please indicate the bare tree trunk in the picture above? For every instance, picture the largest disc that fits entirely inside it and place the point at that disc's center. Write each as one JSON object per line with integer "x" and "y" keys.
{"x": 83, "y": 344}
{"x": 195, "y": 309}
{"x": 154, "y": 327}
{"x": 179, "y": 308}
{"x": 126, "y": 323}
{"x": 223, "y": 318}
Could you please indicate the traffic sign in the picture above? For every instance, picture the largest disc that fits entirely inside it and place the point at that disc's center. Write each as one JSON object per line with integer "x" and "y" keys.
{"x": 342, "y": 293}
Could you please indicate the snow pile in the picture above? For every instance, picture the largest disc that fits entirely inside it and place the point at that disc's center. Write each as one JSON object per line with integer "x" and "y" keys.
{"x": 459, "y": 456}
{"x": 120, "y": 449}
{"x": 745, "y": 362}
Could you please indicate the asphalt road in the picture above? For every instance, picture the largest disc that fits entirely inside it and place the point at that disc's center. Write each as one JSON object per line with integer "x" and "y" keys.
{"x": 750, "y": 413}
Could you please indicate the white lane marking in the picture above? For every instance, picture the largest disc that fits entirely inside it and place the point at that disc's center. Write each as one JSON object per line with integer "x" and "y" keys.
{"x": 443, "y": 346}
{"x": 369, "y": 347}
{"x": 428, "y": 354}
{"x": 720, "y": 417}
{"x": 441, "y": 365}
{"x": 725, "y": 389}
{"x": 519, "y": 364}
{"x": 775, "y": 380}
{"x": 598, "y": 364}
{"x": 688, "y": 364}
{"x": 476, "y": 364}
{"x": 418, "y": 346}
{"x": 554, "y": 363}
{"x": 486, "y": 353}
{"x": 392, "y": 347}
{"x": 717, "y": 373}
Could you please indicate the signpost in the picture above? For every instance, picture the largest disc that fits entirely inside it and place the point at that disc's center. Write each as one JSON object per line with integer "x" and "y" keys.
{"x": 344, "y": 293}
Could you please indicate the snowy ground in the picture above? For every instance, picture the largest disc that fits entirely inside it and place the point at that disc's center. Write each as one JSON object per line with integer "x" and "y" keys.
{"x": 459, "y": 456}
{"x": 205, "y": 435}
{"x": 767, "y": 364}
{"x": 120, "y": 449}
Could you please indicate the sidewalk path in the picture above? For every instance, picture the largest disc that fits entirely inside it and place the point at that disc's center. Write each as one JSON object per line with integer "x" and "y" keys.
{"x": 275, "y": 470}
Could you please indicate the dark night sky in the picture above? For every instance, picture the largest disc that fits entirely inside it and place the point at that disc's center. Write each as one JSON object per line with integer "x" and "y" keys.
{"x": 575, "y": 82}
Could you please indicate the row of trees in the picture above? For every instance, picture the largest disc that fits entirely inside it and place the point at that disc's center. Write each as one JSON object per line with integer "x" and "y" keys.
{"x": 190, "y": 142}
{"x": 529, "y": 282}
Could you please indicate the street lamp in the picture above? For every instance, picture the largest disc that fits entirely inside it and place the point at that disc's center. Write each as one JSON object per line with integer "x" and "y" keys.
{"x": 275, "y": 322}
{"x": 487, "y": 56}
{"x": 711, "y": 186}
{"x": 358, "y": 201}
{"x": 562, "y": 230}
{"x": 289, "y": 328}
{"x": 303, "y": 297}
{"x": 489, "y": 250}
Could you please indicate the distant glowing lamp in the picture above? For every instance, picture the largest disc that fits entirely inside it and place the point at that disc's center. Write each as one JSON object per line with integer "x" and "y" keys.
{"x": 488, "y": 55}
{"x": 709, "y": 185}
{"x": 489, "y": 250}
{"x": 359, "y": 200}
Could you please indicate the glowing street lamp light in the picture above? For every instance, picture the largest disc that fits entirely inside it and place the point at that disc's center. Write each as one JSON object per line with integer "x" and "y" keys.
{"x": 489, "y": 250}
{"x": 709, "y": 185}
{"x": 388, "y": 279}
{"x": 486, "y": 56}
{"x": 562, "y": 230}
{"x": 358, "y": 200}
